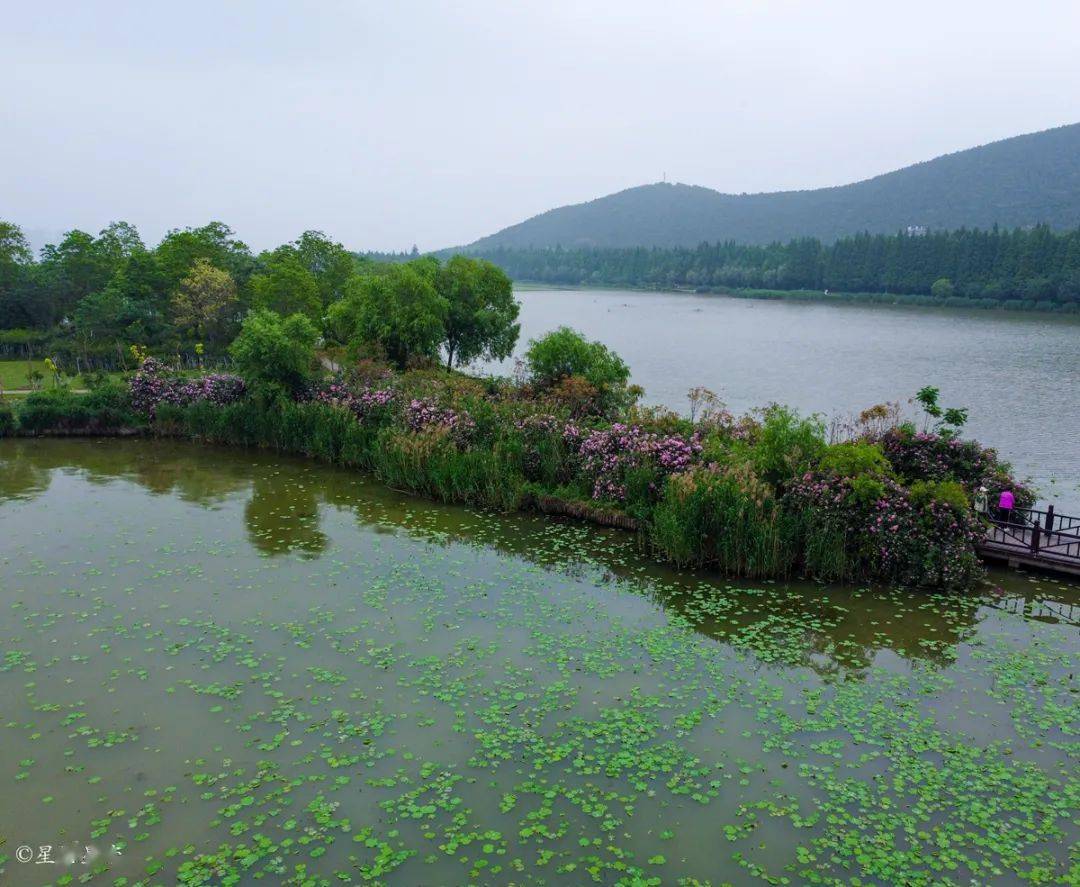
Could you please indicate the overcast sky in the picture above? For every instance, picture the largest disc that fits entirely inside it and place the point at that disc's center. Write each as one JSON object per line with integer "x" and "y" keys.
{"x": 391, "y": 123}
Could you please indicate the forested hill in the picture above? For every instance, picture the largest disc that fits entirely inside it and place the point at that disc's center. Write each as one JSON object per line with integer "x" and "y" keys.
{"x": 1021, "y": 181}
{"x": 1035, "y": 268}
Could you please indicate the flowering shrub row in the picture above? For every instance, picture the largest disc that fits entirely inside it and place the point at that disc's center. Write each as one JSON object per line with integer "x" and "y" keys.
{"x": 889, "y": 538}
{"x": 154, "y": 383}
{"x": 360, "y": 403}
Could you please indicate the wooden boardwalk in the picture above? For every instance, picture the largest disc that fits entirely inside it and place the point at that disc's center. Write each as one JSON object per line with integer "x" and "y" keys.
{"x": 1034, "y": 538}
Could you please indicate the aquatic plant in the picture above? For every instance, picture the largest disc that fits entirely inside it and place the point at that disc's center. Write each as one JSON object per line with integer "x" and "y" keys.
{"x": 371, "y": 690}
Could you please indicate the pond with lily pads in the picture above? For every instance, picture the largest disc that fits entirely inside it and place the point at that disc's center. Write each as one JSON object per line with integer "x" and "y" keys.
{"x": 222, "y": 667}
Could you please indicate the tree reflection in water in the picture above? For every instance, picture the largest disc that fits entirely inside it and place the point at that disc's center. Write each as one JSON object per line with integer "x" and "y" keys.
{"x": 836, "y": 631}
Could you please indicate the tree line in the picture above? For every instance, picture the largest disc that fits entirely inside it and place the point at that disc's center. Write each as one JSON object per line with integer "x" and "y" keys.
{"x": 89, "y": 298}
{"x": 1029, "y": 267}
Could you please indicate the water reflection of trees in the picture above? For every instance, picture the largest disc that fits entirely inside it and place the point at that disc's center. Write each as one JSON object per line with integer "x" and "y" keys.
{"x": 164, "y": 467}
{"x": 22, "y": 474}
{"x": 282, "y": 515}
{"x": 833, "y": 630}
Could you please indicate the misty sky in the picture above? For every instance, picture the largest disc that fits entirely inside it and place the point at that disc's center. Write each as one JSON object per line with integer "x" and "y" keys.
{"x": 394, "y": 123}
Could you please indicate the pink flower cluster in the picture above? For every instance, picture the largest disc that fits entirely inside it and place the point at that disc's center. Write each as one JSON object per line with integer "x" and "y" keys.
{"x": 421, "y": 415}
{"x": 360, "y": 403}
{"x": 608, "y": 453}
{"x": 926, "y": 456}
{"x": 217, "y": 388}
{"x": 930, "y": 545}
{"x": 154, "y": 384}
{"x": 543, "y": 423}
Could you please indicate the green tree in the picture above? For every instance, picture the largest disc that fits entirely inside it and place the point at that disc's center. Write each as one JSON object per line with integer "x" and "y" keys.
{"x": 141, "y": 282}
{"x": 214, "y": 242}
{"x": 398, "y": 311}
{"x": 482, "y": 312}
{"x": 275, "y": 352}
{"x": 565, "y": 352}
{"x": 72, "y": 269}
{"x": 203, "y": 300}
{"x": 118, "y": 241}
{"x": 14, "y": 248}
{"x": 330, "y": 263}
{"x": 286, "y": 286}
{"x": 104, "y": 317}
{"x": 16, "y": 261}
{"x": 942, "y": 288}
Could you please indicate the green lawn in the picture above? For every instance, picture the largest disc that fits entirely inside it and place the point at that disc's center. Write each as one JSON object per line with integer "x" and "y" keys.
{"x": 13, "y": 373}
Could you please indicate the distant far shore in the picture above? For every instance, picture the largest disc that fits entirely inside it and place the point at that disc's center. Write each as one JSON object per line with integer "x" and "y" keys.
{"x": 1015, "y": 306}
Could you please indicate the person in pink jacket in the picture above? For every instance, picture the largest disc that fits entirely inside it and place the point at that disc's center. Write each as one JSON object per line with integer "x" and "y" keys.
{"x": 1006, "y": 504}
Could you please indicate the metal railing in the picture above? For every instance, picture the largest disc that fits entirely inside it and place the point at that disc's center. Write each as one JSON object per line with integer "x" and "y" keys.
{"x": 1035, "y": 531}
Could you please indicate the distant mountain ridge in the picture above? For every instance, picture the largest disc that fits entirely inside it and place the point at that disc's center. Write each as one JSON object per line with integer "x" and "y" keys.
{"x": 1025, "y": 180}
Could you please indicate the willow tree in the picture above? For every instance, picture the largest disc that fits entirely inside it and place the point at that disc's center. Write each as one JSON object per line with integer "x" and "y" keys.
{"x": 482, "y": 312}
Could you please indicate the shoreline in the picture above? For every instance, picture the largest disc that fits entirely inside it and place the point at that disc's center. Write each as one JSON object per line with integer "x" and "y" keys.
{"x": 531, "y": 501}
{"x": 887, "y": 300}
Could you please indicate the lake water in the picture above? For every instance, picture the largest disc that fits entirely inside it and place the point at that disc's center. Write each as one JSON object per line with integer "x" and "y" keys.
{"x": 220, "y": 664}
{"x": 1018, "y": 374}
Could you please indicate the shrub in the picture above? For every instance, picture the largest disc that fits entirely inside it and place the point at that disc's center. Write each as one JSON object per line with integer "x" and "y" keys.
{"x": 425, "y": 415}
{"x": 154, "y": 384}
{"x": 576, "y": 395}
{"x": 944, "y": 492}
{"x": 105, "y": 409}
{"x": 608, "y": 454}
{"x": 564, "y": 353}
{"x": 364, "y": 402}
{"x": 274, "y": 352}
{"x": 916, "y": 456}
{"x": 93, "y": 379}
{"x": 888, "y": 538}
{"x": 854, "y": 459}
{"x": 787, "y": 444}
{"x": 867, "y": 488}
{"x": 546, "y": 451}
{"x": 52, "y": 410}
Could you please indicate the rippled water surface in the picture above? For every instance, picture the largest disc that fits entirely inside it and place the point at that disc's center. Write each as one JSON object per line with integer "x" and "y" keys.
{"x": 1019, "y": 374}
{"x": 219, "y": 666}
